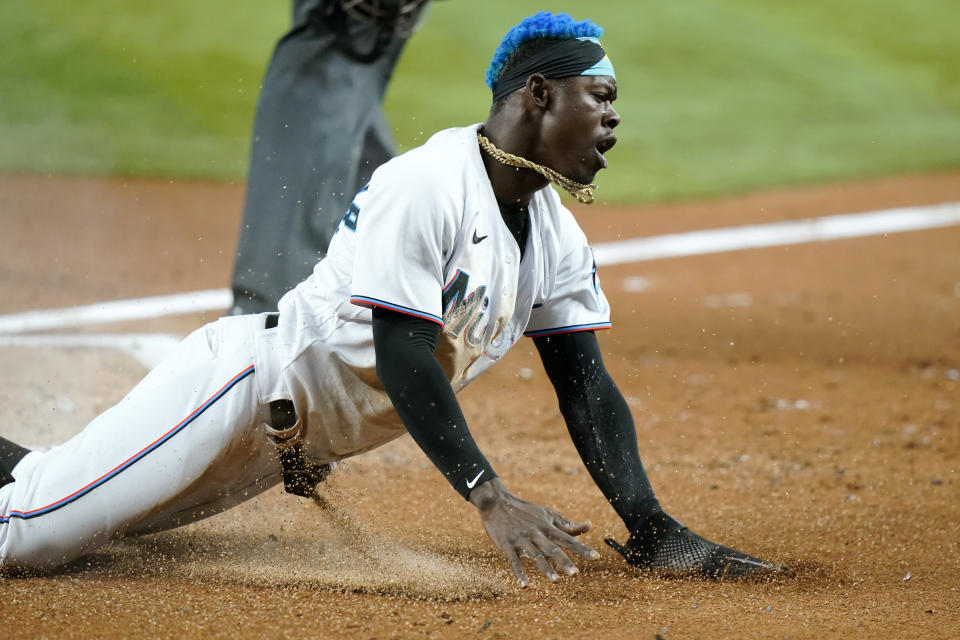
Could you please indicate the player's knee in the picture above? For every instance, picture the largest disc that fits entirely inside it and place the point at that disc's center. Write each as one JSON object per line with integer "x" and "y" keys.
{"x": 25, "y": 549}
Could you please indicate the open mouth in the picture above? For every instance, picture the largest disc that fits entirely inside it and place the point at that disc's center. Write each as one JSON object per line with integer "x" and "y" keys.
{"x": 603, "y": 146}
{"x": 606, "y": 144}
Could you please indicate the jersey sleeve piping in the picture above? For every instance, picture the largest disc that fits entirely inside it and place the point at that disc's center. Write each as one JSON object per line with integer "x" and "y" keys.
{"x": 364, "y": 301}
{"x": 569, "y": 329}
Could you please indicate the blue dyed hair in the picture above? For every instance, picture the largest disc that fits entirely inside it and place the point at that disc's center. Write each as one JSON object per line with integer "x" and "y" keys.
{"x": 541, "y": 25}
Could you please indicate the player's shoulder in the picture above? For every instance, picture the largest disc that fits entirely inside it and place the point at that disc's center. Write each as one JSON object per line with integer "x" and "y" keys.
{"x": 442, "y": 162}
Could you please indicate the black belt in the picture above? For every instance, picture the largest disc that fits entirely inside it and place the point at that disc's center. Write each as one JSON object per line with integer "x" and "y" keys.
{"x": 299, "y": 476}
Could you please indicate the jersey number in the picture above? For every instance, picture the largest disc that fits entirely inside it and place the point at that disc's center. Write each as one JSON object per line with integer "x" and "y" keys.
{"x": 350, "y": 217}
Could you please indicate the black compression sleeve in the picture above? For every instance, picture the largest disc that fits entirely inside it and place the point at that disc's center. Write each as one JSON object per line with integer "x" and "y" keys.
{"x": 599, "y": 421}
{"x": 424, "y": 399}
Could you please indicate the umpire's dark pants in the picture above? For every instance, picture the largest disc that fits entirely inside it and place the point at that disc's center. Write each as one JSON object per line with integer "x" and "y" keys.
{"x": 318, "y": 134}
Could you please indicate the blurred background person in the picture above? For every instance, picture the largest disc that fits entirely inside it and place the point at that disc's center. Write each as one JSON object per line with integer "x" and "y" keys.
{"x": 318, "y": 134}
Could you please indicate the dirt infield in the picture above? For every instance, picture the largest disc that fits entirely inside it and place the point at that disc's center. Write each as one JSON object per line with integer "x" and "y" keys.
{"x": 800, "y": 402}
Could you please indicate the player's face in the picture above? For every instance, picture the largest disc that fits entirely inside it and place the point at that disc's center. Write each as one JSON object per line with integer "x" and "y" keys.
{"x": 579, "y": 126}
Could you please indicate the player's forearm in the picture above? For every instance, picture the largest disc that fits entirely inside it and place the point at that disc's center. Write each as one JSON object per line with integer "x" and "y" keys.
{"x": 599, "y": 421}
{"x": 603, "y": 432}
{"x": 424, "y": 399}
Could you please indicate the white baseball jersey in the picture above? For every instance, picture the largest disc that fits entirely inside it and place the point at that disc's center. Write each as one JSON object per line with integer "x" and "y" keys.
{"x": 425, "y": 237}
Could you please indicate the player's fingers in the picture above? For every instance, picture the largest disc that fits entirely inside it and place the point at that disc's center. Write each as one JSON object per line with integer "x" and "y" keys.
{"x": 529, "y": 550}
{"x": 569, "y": 526}
{"x": 567, "y": 541}
{"x": 556, "y": 555}
{"x": 517, "y": 565}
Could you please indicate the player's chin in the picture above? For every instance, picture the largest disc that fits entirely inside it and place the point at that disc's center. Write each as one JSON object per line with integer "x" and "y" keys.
{"x": 585, "y": 175}
{"x": 589, "y": 167}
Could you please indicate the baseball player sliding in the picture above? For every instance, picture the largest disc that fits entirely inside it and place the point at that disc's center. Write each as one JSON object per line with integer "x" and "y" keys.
{"x": 451, "y": 253}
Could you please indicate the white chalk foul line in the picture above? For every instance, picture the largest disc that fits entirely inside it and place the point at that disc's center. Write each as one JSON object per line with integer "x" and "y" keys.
{"x": 117, "y": 311}
{"x": 776, "y": 234}
{"x": 610, "y": 253}
{"x": 148, "y": 348}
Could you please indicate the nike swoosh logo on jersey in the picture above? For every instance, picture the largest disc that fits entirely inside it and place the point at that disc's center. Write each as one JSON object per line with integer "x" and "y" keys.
{"x": 477, "y": 239}
{"x": 472, "y": 483}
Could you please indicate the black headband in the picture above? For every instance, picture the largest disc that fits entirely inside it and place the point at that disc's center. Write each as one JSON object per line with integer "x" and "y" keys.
{"x": 566, "y": 58}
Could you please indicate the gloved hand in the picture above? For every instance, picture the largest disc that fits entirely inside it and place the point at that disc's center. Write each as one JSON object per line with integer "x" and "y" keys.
{"x": 661, "y": 543}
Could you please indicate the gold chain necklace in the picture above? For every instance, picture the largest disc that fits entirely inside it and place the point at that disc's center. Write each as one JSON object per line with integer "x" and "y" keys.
{"x": 582, "y": 192}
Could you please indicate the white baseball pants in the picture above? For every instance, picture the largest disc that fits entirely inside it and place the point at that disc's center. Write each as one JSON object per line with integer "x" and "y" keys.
{"x": 185, "y": 443}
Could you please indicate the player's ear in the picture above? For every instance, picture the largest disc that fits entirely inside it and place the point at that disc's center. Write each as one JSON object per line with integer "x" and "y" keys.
{"x": 538, "y": 89}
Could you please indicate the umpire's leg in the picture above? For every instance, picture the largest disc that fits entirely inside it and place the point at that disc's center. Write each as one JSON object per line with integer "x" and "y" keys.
{"x": 318, "y": 134}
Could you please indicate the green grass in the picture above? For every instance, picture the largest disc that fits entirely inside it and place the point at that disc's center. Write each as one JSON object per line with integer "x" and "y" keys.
{"x": 716, "y": 96}
{"x": 114, "y": 87}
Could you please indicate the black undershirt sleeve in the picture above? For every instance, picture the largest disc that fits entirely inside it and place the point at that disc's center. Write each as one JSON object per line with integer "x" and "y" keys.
{"x": 599, "y": 421}
{"x": 424, "y": 399}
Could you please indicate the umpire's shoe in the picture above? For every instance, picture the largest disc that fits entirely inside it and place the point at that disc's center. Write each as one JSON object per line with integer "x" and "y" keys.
{"x": 661, "y": 543}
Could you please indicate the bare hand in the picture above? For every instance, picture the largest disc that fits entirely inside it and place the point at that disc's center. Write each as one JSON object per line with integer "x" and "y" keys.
{"x": 522, "y": 529}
